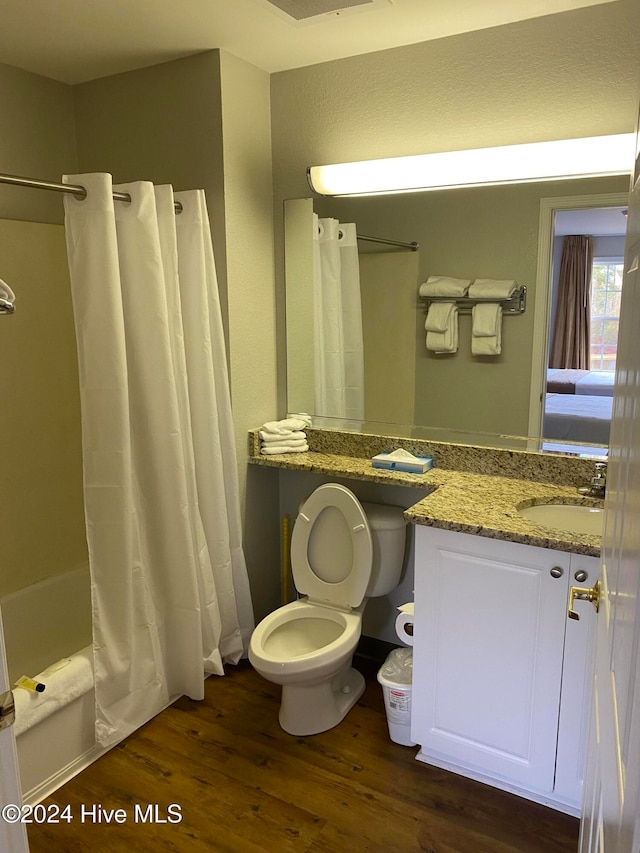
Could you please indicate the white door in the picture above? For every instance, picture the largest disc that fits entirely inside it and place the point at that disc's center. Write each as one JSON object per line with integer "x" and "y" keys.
{"x": 13, "y": 836}
{"x": 611, "y": 815}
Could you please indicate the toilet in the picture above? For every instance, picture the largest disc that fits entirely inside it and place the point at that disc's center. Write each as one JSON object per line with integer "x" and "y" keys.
{"x": 342, "y": 553}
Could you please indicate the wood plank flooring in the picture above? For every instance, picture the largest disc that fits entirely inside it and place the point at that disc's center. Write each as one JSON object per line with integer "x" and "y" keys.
{"x": 242, "y": 784}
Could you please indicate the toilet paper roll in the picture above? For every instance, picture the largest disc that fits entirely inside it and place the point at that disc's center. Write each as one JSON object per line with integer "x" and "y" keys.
{"x": 404, "y": 624}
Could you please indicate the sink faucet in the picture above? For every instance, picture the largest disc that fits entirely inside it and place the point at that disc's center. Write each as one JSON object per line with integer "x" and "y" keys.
{"x": 598, "y": 483}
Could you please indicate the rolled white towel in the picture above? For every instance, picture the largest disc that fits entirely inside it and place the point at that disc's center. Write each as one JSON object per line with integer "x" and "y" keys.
{"x": 486, "y": 329}
{"x": 6, "y": 293}
{"x": 439, "y": 316}
{"x": 444, "y": 285}
{"x": 292, "y": 435}
{"x": 66, "y": 680}
{"x": 491, "y": 288}
{"x": 274, "y": 449}
{"x": 447, "y": 340}
{"x": 285, "y": 426}
{"x": 7, "y": 298}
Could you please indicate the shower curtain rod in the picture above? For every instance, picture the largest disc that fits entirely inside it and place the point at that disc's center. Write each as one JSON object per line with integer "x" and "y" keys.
{"x": 71, "y": 189}
{"x": 80, "y": 192}
{"x": 413, "y": 246}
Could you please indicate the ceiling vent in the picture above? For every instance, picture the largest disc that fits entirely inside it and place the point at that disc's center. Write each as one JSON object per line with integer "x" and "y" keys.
{"x": 301, "y": 10}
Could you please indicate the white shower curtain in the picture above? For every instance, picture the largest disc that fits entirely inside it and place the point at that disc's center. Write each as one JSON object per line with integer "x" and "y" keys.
{"x": 170, "y": 594}
{"x": 338, "y": 347}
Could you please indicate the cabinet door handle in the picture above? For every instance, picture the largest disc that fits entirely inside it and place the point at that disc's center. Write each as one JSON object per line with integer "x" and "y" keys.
{"x": 583, "y": 593}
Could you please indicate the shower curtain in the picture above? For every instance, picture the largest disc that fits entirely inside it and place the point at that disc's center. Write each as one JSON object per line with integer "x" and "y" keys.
{"x": 170, "y": 594}
{"x": 338, "y": 349}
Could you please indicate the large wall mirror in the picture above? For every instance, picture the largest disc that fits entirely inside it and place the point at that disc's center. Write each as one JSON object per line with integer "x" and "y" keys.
{"x": 475, "y": 233}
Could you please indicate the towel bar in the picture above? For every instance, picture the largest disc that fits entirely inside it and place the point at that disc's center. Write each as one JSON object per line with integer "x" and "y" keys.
{"x": 516, "y": 304}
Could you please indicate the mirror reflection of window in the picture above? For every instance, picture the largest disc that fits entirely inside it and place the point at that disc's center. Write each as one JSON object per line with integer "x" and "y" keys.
{"x": 582, "y": 359}
{"x": 606, "y": 291}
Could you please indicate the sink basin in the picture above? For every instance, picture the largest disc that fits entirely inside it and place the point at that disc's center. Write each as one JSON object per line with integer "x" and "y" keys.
{"x": 577, "y": 519}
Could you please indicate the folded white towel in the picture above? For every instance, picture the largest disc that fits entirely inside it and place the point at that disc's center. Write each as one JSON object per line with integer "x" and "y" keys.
{"x": 6, "y": 292}
{"x": 486, "y": 319}
{"x": 439, "y": 316}
{"x": 285, "y": 442}
{"x": 285, "y": 426}
{"x": 273, "y": 449}
{"x": 446, "y": 341}
{"x": 486, "y": 346}
{"x": 292, "y": 435}
{"x": 490, "y": 288}
{"x": 486, "y": 329}
{"x": 66, "y": 680}
{"x": 444, "y": 285}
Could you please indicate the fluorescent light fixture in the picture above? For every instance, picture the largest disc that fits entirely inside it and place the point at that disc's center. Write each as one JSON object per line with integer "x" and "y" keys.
{"x": 536, "y": 161}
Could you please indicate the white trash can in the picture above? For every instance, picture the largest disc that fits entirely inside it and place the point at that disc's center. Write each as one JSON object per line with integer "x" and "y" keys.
{"x": 395, "y": 676}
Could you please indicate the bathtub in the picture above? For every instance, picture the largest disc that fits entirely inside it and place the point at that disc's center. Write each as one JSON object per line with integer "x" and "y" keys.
{"x": 44, "y": 624}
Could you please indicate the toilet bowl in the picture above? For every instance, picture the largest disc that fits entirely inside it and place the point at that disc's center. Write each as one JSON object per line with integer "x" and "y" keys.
{"x": 341, "y": 553}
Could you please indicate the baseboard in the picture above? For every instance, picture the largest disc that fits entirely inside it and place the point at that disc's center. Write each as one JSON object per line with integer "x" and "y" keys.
{"x": 43, "y": 790}
{"x": 46, "y": 788}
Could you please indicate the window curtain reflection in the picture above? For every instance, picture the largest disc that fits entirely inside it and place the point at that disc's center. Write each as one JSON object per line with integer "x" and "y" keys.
{"x": 338, "y": 347}
{"x": 571, "y": 332}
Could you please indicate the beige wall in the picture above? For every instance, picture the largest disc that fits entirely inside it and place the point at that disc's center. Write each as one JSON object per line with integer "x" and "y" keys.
{"x": 161, "y": 124}
{"x": 41, "y": 473}
{"x": 43, "y": 532}
{"x": 298, "y": 239}
{"x": 249, "y": 230}
{"x": 37, "y": 141}
{"x": 252, "y": 344}
{"x": 388, "y": 283}
{"x": 547, "y": 78}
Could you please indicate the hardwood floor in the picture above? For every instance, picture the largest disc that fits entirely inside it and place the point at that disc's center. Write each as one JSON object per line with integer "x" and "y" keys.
{"x": 242, "y": 784}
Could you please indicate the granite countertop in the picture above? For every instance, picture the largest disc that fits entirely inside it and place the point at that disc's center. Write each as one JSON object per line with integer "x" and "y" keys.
{"x": 488, "y": 506}
{"x": 482, "y": 504}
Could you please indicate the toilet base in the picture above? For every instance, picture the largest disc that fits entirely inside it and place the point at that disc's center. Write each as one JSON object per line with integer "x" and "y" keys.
{"x": 316, "y": 708}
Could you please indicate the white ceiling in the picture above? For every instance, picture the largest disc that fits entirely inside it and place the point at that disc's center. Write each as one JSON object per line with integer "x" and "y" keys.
{"x": 78, "y": 40}
{"x": 602, "y": 221}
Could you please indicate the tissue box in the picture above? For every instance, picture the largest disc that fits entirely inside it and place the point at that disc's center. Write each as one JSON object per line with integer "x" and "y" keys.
{"x": 405, "y": 462}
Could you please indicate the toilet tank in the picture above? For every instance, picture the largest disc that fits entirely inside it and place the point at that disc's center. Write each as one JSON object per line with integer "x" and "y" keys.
{"x": 388, "y": 532}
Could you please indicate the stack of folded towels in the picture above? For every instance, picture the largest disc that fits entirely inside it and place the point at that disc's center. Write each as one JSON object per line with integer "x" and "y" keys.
{"x": 486, "y": 325}
{"x": 442, "y": 317}
{"x": 441, "y": 324}
{"x": 286, "y": 436}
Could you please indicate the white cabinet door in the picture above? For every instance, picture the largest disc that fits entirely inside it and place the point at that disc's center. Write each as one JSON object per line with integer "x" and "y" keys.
{"x": 488, "y": 646}
{"x": 577, "y": 687}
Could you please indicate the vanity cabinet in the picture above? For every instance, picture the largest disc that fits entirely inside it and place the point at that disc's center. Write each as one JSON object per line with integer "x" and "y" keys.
{"x": 502, "y": 679}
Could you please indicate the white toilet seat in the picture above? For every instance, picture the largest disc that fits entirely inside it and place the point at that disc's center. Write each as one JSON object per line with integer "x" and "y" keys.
{"x": 352, "y": 565}
{"x": 270, "y": 659}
